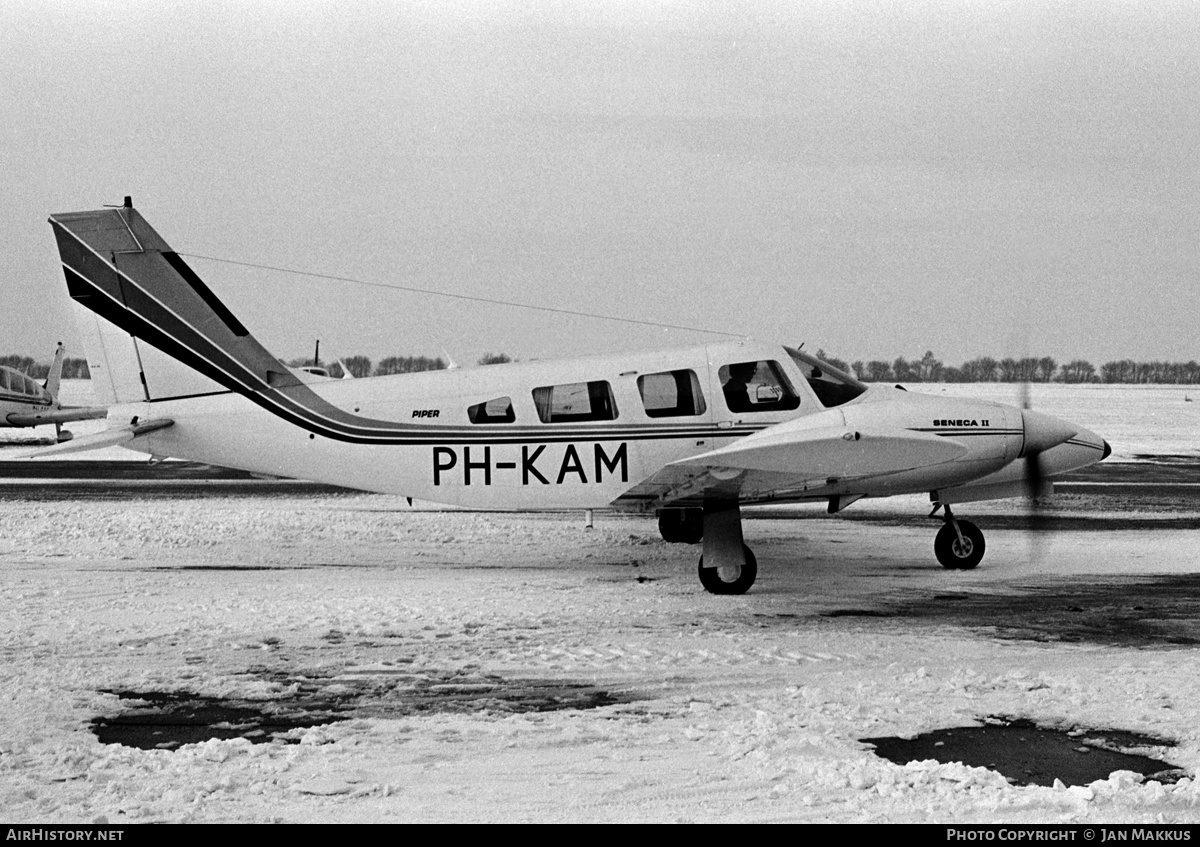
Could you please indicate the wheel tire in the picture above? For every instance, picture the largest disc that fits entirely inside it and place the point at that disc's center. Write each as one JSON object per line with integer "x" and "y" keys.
{"x": 954, "y": 556}
{"x": 710, "y": 578}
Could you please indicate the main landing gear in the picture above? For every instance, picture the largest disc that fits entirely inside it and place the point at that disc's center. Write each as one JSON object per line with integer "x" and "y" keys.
{"x": 959, "y": 544}
{"x": 727, "y": 565}
{"x": 735, "y": 579}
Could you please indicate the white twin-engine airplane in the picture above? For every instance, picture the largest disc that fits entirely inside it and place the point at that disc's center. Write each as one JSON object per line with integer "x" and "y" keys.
{"x": 690, "y": 434}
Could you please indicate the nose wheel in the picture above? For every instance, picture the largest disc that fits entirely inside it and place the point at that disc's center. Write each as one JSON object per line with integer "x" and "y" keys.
{"x": 959, "y": 544}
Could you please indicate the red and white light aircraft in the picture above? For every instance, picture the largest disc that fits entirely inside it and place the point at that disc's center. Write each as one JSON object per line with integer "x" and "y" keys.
{"x": 690, "y": 434}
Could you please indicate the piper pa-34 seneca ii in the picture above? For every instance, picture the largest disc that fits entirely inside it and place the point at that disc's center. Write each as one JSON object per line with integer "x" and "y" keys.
{"x": 690, "y": 434}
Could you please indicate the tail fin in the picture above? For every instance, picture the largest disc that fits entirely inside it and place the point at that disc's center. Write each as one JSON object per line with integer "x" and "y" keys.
{"x": 54, "y": 378}
{"x": 119, "y": 268}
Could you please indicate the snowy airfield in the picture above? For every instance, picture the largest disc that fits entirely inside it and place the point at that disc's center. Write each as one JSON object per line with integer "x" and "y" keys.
{"x": 447, "y": 643}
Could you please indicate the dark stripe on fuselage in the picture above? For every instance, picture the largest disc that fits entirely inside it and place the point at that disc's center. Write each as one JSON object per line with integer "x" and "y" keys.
{"x": 966, "y": 432}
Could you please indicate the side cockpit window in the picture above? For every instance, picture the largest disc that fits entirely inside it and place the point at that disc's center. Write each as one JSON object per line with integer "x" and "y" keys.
{"x": 832, "y": 386}
{"x": 575, "y": 401}
{"x": 495, "y": 411}
{"x": 757, "y": 387}
{"x": 671, "y": 394}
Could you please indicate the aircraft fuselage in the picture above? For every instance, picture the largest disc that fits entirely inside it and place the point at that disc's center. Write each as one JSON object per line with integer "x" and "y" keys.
{"x": 452, "y": 451}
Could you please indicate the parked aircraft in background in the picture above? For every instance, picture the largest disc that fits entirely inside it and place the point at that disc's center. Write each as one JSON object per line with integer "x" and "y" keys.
{"x": 25, "y": 403}
{"x": 691, "y": 434}
{"x": 317, "y": 369}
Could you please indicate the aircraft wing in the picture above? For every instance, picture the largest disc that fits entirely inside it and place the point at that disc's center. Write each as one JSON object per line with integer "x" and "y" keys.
{"x": 786, "y": 460}
{"x": 108, "y": 438}
{"x": 63, "y": 415}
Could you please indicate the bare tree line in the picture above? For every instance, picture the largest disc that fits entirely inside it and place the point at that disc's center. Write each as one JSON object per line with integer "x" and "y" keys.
{"x": 72, "y": 368}
{"x": 1028, "y": 369}
{"x": 360, "y": 366}
{"x": 928, "y": 368}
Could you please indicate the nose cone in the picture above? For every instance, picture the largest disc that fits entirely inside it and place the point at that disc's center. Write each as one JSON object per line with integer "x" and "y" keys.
{"x": 1043, "y": 432}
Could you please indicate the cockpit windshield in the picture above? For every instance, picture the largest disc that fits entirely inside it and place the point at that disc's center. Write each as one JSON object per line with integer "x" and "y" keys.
{"x": 832, "y": 386}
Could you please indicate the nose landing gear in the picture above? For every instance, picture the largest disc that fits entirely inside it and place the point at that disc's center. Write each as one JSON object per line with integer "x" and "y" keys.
{"x": 959, "y": 544}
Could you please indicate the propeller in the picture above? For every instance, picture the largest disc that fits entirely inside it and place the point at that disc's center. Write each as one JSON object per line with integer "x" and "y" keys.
{"x": 1034, "y": 478}
{"x": 1042, "y": 432}
{"x": 1034, "y": 472}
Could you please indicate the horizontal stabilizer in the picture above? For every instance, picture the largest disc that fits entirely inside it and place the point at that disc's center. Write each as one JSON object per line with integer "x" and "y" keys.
{"x": 58, "y": 416}
{"x": 832, "y": 451}
{"x": 108, "y": 438}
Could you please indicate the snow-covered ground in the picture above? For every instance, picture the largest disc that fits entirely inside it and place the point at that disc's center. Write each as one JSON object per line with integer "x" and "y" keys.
{"x": 731, "y": 708}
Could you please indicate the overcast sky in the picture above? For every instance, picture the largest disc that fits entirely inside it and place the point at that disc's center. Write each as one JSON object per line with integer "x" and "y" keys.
{"x": 874, "y": 179}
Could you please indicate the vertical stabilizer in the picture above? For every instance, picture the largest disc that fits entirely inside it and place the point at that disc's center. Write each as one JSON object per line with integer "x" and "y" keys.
{"x": 158, "y": 332}
{"x": 143, "y": 311}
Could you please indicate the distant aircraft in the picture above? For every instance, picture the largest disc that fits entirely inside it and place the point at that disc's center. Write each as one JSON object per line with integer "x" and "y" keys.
{"x": 691, "y": 435}
{"x": 25, "y": 403}
{"x": 317, "y": 369}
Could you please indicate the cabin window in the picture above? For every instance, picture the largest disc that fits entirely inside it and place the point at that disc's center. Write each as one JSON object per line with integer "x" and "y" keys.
{"x": 575, "y": 401}
{"x": 756, "y": 387}
{"x": 832, "y": 387}
{"x": 499, "y": 410}
{"x": 4, "y": 380}
{"x": 671, "y": 394}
